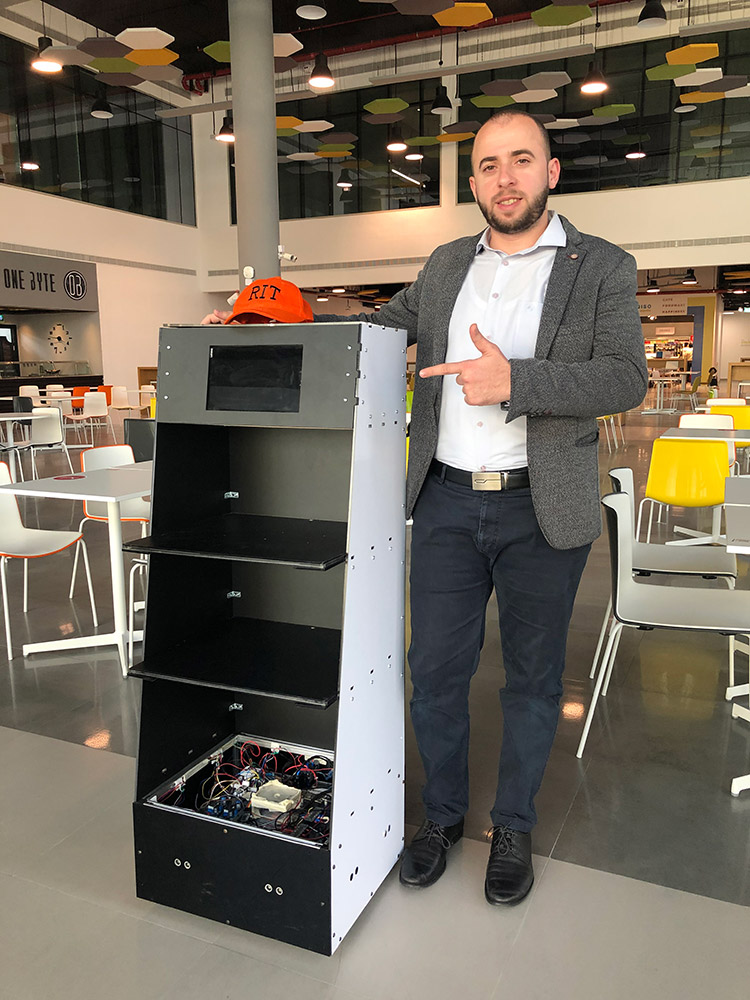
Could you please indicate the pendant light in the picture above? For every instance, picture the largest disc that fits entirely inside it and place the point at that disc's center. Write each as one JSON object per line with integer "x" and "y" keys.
{"x": 635, "y": 154}
{"x": 594, "y": 82}
{"x": 29, "y": 164}
{"x": 441, "y": 105}
{"x": 226, "y": 132}
{"x": 652, "y": 16}
{"x": 42, "y": 63}
{"x": 652, "y": 286}
{"x": 311, "y": 11}
{"x": 690, "y": 278}
{"x": 414, "y": 156}
{"x": 321, "y": 77}
{"x": 396, "y": 143}
{"x": 101, "y": 109}
{"x": 345, "y": 180}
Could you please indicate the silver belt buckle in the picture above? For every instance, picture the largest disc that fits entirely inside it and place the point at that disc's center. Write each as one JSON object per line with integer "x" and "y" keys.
{"x": 488, "y": 480}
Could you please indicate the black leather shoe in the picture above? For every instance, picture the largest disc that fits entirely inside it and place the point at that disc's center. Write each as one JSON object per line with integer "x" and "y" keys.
{"x": 424, "y": 859}
{"x": 510, "y": 874}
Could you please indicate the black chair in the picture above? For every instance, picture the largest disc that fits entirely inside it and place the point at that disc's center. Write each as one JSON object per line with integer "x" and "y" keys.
{"x": 23, "y": 404}
{"x": 141, "y": 436}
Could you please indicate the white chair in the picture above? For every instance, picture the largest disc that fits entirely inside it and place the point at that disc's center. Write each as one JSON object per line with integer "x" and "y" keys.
{"x": 138, "y": 509}
{"x": 54, "y": 387}
{"x": 121, "y": 400}
{"x": 711, "y": 562}
{"x": 19, "y": 542}
{"x": 640, "y": 603}
{"x": 146, "y": 394}
{"x": 14, "y": 451}
{"x": 94, "y": 408}
{"x": 62, "y": 400}
{"x": 715, "y": 421}
{"x": 725, "y": 401}
{"x": 47, "y": 434}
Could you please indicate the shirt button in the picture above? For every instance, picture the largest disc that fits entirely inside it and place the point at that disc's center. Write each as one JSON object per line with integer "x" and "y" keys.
{"x": 480, "y": 424}
{"x": 496, "y": 295}
{"x": 505, "y": 263}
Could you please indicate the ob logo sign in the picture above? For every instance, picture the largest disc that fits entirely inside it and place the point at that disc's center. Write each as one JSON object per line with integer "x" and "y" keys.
{"x": 74, "y": 284}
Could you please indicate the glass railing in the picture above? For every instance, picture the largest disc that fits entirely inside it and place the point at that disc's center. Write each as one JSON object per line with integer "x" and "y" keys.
{"x": 31, "y": 369}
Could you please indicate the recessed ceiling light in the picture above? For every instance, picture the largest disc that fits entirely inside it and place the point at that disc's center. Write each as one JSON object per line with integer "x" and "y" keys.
{"x": 322, "y": 298}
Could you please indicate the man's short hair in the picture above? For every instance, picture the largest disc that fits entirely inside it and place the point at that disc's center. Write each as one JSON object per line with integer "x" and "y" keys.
{"x": 500, "y": 116}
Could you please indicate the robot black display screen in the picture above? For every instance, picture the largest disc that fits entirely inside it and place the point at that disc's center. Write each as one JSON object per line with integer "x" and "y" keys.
{"x": 262, "y": 377}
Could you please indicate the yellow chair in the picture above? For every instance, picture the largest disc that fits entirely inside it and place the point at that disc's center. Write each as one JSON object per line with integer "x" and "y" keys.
{"x": 687, "y": 474}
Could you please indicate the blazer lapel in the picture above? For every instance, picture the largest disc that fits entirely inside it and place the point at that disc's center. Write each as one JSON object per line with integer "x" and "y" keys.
{"x": 561, "y": 280}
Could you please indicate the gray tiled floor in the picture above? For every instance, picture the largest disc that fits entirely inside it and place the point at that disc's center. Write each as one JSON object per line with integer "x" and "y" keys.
{"x": 642, "y": 856}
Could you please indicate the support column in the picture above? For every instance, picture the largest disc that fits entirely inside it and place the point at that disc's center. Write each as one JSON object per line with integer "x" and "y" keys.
{"x": 254, "y": 113}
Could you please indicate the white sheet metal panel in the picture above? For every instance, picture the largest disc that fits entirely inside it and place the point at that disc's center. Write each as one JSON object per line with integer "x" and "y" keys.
{"x": 368, "y": 813}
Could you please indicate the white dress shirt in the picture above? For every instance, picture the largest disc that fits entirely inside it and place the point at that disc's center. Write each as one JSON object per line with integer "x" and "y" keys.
{"x": 503, "y": 294}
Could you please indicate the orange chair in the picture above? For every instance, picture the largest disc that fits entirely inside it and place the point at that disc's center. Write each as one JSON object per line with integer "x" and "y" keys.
{"x": 107, "y": 390}
{"x": 77, "y": 399}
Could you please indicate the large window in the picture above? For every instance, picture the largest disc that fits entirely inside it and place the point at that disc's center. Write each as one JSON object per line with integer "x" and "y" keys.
{"x": 709, "y": 143}
{"x": 133, "y": 161}
{"x": 379, "y": 180}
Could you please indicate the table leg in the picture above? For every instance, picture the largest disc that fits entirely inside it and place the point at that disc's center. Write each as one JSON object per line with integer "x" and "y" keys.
{"x": 119, "y": 602}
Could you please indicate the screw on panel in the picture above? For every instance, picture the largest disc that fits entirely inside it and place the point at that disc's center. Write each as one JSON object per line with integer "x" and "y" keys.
{"x": 177, "y": 862}
{"x": 231, "y": 495}
{"x": 268, "y": 887}
{"x": 165, "y": 397}
{"x": 279, "y": 891}
{"x": 169, "y": 347}
{"x": 186, "y": 865}
{"x": 236, "y": 706}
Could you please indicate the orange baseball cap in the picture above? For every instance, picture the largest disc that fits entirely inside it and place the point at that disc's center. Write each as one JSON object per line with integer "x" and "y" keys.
{"x": 270, "y": 299}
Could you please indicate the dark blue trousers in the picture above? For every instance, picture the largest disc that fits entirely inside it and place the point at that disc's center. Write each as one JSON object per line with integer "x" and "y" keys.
{"x": 464, "y": 543}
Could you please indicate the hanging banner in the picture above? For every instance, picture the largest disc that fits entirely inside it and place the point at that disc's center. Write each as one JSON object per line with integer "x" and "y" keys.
{"x": 30, "y": 281}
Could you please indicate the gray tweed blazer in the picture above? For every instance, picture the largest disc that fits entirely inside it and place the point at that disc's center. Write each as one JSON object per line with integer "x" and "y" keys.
{"x": 589, "y": 361}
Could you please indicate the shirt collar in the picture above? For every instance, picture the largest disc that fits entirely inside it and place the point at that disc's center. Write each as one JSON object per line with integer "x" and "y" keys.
{"x": 553, "y": 236}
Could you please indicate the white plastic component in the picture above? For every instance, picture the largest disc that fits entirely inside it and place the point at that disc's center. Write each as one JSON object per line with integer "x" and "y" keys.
{"x": 275, "y": 797}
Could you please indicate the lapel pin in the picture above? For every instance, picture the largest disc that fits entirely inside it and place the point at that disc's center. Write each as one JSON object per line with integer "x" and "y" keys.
{"x": 573, "y": 256}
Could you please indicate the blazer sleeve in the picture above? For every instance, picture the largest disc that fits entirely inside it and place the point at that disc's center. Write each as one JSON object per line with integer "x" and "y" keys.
{"x": 613, "y": 380}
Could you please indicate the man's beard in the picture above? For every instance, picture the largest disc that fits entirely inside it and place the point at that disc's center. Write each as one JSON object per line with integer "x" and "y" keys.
{"x": 533, "y": 213}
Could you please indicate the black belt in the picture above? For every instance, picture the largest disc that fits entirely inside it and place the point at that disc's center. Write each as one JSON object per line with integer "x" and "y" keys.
{"x": 512, "y": 479}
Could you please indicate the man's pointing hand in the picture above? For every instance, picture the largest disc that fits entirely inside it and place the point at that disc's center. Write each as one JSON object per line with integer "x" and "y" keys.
{"x": 485, "y": 380}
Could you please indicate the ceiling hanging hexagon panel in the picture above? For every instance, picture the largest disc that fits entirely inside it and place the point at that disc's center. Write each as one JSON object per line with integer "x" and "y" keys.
{"x": 556, "y": 16}
{"x": 455, "y": 136}
{"x": 724, "y": 84}
{"x": 159, "y": 73}
{"x": 103, "y": 47}
{"x": 120, "y": 79}
{"x": 422, "y": 140}
{"x": 285, "y": 45}
{"x": 503, "y": 88}
{"x": 319, "y": 125}
{"x": 696, "y": 79}
{"x": 383, "y": 119}
{"x": 116, "y": 65}
{"x": 535, "y": 96}
{"x": 699, "y": 97}
{"x": 342, "y": 137}
{"x": 386, "y": 106}
{"x": 68, "y": 55}
{"x": 471, "y": 126}
{"x": 145, "y": 38}
{"x": 690, "y": 55}
{"x": 490, "y": 101}
{"x": 666, "y": 72}
{"x": 287, "y": 121}
{"x": 220, "y": 51}
{"x": 152, "y": 57}
{"x": 613, "y": 110}
{"x": 740, "y": 92}
{"x": 464, "y": 15}
{"x": 546, "y": 81}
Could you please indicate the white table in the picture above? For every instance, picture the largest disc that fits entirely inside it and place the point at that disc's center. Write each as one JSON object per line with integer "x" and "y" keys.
{"x": 660, "y": 382}
{"x": 111, "y": 486}
{"x": 737, "y": 510}
{"x": 739, "y": 438}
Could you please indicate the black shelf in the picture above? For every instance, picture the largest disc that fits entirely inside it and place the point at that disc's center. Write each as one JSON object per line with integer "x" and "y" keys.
{"x": 286, "y": 541}
{"x": 272, "y": 659}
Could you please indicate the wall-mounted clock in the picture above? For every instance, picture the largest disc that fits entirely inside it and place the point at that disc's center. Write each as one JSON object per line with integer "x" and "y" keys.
{"x": 59, "y": 338}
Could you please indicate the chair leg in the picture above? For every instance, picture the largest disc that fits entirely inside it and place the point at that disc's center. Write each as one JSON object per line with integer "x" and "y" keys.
{"x": 75, "y": 569}
{"x": 67, "y": 455}
{"x": 34, "y": 474}
{"x": 26, "y": 586}
{"x": 6, "y": 612}
{"x": 602, "y": 635}
{"x": 614, "y": 633}
{"x": 611, "y": 664}
{"x": 640, "y": 515}
{"x": 85, "y": 553}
